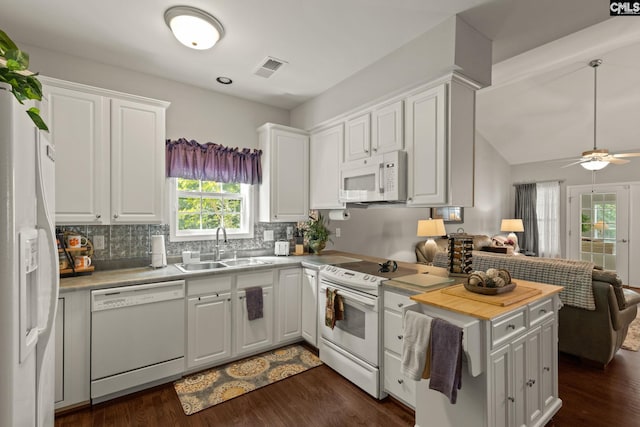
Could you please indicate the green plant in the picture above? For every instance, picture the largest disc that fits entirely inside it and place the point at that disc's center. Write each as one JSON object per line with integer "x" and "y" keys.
{"x": 14, "y": 72}
{"x": 316, "y": 229}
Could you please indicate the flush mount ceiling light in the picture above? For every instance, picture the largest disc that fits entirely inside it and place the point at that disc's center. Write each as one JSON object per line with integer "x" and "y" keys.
{"x": 224, "y": 80}
{"x": 193, "y": 27}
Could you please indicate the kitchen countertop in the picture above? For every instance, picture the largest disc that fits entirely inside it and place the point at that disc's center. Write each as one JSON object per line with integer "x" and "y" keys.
{"x": 142, "y": 275}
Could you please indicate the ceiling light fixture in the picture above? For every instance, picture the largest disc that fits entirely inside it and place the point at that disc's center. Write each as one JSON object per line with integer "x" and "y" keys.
{"x": 596, "y": 163}
{"x": 224, "y": 80}
{"x": 193, "y": 27}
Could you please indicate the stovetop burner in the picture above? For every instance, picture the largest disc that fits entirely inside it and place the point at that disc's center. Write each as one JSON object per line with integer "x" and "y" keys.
{"x": 385, "y": 270}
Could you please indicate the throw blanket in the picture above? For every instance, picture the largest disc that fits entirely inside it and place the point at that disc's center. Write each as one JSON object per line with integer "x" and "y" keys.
{"x": 575, "y": 276}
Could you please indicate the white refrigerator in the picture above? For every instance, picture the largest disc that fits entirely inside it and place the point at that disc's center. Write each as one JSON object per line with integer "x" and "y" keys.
{"x": 28, "y": 269}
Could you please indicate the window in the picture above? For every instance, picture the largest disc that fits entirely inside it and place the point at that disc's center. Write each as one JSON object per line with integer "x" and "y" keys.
{"x": 548, "y": 214}
{"x": 200, "y": 207}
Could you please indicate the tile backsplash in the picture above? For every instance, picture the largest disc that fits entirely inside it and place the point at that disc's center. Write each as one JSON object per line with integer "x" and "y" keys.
{"x": 129, "y": 245}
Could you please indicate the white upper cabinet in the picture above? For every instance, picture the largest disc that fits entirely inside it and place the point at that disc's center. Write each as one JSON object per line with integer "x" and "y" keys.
{"x": 109, "y": 154}
{"x": 357, "y": 137}
{"x": 137, "y": 162}
{"x": 324, "y": 167}
{"x": 387, "y": 130}
{"x": 284, "y": 192}
{"x": 439, "y": 130}
{"x": 77, "y": 121}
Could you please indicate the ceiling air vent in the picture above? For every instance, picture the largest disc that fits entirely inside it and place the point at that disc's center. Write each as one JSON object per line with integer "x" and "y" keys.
{"x": 269, "y": 66}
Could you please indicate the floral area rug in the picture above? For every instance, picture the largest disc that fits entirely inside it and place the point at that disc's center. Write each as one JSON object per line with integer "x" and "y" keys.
{"x": 632, "y": 341}
{"x": 205, "y": 389}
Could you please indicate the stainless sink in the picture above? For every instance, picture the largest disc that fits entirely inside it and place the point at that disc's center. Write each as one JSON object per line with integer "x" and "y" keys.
{"x": 214, "y": 265}
{"x": 242, "y": 261}
{"x": 199, "y": 266}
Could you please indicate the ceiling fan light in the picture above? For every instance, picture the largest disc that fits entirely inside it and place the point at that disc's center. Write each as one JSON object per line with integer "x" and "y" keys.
{"x": 594, "y": 165}
{"x": 194, "y": 28}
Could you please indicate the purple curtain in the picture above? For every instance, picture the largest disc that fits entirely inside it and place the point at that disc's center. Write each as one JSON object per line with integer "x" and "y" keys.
{"x": 212, "y": 162}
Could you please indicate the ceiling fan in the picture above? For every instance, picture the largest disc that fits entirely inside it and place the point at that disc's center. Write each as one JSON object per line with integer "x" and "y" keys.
{"x": 599, "y": 158}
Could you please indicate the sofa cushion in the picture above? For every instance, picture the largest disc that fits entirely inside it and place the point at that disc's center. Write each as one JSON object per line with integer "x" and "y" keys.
{"x": 612, "y": 278}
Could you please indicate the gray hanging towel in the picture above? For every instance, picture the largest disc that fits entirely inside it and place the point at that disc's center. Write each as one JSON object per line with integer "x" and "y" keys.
{"x": 254, "y": 302}
{"x": 446, "y": 358}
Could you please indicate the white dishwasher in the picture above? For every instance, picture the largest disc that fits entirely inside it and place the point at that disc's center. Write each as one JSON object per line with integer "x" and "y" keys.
{"x": 137, "y": 337}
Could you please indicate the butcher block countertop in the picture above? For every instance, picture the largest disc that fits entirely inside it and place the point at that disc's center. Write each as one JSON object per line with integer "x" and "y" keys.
{"x": 482, "y": 310}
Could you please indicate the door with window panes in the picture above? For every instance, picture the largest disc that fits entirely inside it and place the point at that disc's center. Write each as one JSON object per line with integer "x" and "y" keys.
{"x": 599, "y": 226}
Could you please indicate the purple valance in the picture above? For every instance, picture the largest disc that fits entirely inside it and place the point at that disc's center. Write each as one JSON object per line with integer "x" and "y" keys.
{"x": 212, "y": 162}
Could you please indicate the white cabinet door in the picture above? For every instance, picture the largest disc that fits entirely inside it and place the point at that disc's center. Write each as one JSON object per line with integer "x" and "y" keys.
{"x": 284, "y": 192}
{"x": 426, "y": 133}
{"x": 288, "y": 304}
{"x": 387, "y": 130}
{"x": 253, "y": 335}
{"x": 325, "y": 155}
{"x": 137, "y": 162}
{"x": 79, "y": 131}
{"x": 358, "y": 138}
{"x": 548, "y": 377}
{"x": 208, "y": 329}
{"x": 499, "y": 393}
{"x": 533, "y": 401}
{"x": 310, "y": 306}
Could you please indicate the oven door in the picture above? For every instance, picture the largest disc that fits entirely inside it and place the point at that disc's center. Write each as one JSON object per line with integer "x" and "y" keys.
{"x": 359, "y": 332}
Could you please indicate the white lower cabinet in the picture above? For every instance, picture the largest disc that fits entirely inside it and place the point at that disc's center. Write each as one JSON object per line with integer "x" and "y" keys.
{"x": 252, "y": 336}
{"x": 289, "y": 314}
{"x": 395, "y": 383}
{"x": 310, "y": 306}
{"x": 208, "y": 320}
{"x": 72, "y": 340}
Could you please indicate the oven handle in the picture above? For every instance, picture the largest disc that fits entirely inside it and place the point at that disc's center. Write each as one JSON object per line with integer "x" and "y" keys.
{"x": 350, "y": 296}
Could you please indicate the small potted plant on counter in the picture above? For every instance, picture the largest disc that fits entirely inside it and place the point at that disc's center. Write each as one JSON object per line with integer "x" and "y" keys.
{"x": 317, "y": 233}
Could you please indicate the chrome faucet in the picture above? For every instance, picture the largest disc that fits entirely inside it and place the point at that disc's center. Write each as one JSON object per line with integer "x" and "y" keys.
{"x": 224, "y": 231}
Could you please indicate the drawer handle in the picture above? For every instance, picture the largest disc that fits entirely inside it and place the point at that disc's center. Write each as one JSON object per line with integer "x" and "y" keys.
{"x": 543, "y": 311}
{"x": 530, "y": 383}
{"x": 546, "y": 368}
{"x": 399, "y": 337}
{"x": 400, "y": 305}
{"x": 400, "y": 381}
{"x": 511, "y": 399}
{"x": 511, "y": 326}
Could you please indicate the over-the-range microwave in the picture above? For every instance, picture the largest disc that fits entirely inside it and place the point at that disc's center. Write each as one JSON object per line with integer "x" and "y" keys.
{"x": 380, "y": 178}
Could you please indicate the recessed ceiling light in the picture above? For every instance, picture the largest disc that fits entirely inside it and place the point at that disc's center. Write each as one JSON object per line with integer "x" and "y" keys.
{"x": 224, "y": 80}
{"x": 193, "y": 27}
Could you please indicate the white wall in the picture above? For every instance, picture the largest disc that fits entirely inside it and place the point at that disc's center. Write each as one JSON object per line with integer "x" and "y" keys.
{"x": 195, "y": 113}
{"x": 391, "y": 232}
{"x": 452, "y": 45}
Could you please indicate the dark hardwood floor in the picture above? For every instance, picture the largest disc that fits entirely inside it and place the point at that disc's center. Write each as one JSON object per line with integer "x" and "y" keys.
{"x": 592, "y": 397}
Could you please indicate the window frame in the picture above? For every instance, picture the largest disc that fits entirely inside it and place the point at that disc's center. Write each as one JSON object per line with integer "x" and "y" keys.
{"x": 247, "y": 194}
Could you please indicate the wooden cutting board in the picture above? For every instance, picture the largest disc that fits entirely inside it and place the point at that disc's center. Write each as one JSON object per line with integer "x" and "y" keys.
{"x": 520, "y": 293}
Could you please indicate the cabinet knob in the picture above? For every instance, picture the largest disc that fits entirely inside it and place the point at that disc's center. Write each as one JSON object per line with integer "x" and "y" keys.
{"x": 511, "y": 399}
{"x": 240, "y": 297}
{"x": 400, "y": 304}
{"x": 546, "y": 368}
{"x": 399, "y": 337}
{"x": 400, "y": 381}
{"x": 366, "y": 151}
{"x": 115, "y": 216}
{"x": 228, "y": 299}
{"x": 531, "y": 382}
{"x": 98, "y": 216}
{"x": 375, "y": 150}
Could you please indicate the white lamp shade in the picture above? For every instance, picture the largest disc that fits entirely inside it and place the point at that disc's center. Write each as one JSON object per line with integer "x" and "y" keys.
{"x": 594, "y": 165}
{"x": 193, "y": 28}
{"x": 431, "y": 228}
{"x": 512, "y": 225}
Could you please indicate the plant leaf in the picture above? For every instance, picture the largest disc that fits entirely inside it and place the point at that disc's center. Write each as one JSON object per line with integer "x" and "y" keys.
{"x": 17, "y": 60}
{"x": 34, "y": 113}
{"x": 6, "y": 43}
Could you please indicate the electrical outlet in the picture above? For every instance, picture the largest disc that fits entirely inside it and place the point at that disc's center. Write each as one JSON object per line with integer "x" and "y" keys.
{"x": 338, "y": 232}
{"x": 98, "y": 243}
{"x": 268, "y": 236}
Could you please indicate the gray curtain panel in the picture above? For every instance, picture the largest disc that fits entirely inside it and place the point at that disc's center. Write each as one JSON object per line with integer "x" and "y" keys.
{"x": 526, "y": 210}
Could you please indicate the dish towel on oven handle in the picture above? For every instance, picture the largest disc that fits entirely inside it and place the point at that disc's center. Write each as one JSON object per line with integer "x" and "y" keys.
{"x": 446, "y": 358}
{"x": 335, "y": 308}
{"x": 416, "y": 331}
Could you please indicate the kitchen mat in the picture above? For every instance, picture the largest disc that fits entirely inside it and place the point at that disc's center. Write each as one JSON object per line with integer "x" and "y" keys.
{"x": 518, "y": 294}
{"x": 208, "y": 388}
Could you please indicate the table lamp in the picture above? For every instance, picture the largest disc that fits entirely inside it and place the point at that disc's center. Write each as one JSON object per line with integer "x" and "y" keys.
{"x": 512, "y": 226}
{"x": 431, "y": 228}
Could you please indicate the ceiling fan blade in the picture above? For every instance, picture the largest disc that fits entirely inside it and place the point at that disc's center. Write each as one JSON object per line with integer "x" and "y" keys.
{"x": 615, "y": 161}
{"x": 626, "y": 155}
{"x": 575, "y": 163}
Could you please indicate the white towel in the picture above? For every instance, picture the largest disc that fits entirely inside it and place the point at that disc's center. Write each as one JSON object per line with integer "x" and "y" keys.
{"x": 417, "y": 331}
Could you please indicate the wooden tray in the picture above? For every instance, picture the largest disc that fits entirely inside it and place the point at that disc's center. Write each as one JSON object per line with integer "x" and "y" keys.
{"x": 489, "y": 291}
{"x": 520, "y": 293}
